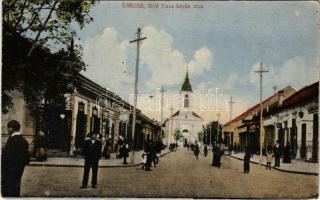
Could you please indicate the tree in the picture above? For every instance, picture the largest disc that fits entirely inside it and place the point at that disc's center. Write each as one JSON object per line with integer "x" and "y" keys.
{"x": 177, "y": 134}
{"x": 46, "y": 22}
{"x": 40, "y": 58}
{"x": 29, "y": 26}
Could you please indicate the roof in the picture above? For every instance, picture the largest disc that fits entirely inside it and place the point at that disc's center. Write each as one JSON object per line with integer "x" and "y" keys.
{"x": 254, "y": 108}
{"x": 196, "y": 115}
{"x": 305, "y": 94}
{"x": 177, "y": 113}
{"x": 186, "y": 86}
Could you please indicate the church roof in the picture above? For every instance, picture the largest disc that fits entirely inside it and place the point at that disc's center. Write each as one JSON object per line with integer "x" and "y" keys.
{"x": 178, "y": 113}
{"x": 186, "y": 86}
{"x": 196, "y": 115}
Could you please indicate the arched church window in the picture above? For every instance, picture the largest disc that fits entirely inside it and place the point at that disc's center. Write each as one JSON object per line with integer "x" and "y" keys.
{"x": 186, "y": 101}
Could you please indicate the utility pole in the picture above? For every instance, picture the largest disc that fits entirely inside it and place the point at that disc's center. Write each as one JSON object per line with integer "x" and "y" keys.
{"x": 210, "y": 123}
{"x": 171, "y": 127}
{"x": 162, "y": 91}
{"x": 231, "y": 102}
{"x": 138, "y": 41}
{"x": 218, "y": 116}
{"x": 260, "y": 72}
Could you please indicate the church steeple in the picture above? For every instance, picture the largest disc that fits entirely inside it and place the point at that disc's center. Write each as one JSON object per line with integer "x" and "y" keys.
{"x": 186, "y": 86}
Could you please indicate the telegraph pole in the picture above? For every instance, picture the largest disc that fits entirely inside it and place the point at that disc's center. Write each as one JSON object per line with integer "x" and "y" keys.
{"x": 210, "y": 132}
{"x": 218, "y": 116}
{"x": 138, "y": 41}
{"x": 231, "y": 102}
{"x": 171, "y": 127}
{"x": 161, "y": 120}
{"x": 260, "y": 72}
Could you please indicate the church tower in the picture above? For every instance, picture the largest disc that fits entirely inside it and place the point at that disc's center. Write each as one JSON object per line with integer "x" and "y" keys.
{"x": 186, "y": 92}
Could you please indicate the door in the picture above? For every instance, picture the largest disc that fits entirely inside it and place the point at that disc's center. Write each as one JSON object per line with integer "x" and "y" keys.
{"x": 80, "y": 129}
{"x": 315, "y": 143}
{"x": 303, "y": 141}
{"x": 281, "y": 138}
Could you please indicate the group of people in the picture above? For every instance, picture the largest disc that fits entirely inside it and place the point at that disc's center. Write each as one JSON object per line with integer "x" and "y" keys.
{"x": 217, "y": 152}
{"x": 271, "y": 151}
{"x": 149, "y": 156}
{"x": 121, "y": 148}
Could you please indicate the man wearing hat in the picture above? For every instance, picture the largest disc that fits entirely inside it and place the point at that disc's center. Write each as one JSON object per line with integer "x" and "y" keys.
{"x": 92, "y": 154}
{"x": 15, "y": 156}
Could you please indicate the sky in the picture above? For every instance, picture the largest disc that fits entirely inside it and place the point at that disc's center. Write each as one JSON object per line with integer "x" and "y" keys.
{"x": 221, "y": 44}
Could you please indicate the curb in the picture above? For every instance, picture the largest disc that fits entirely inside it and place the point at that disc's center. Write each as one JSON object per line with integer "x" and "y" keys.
{"x": 282, "y": 170}
{"x": 105, "y": 166}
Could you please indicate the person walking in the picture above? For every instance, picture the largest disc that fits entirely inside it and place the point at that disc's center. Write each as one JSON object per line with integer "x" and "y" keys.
{"x": 277, "y": 154}
{"x": 216, "y": 155}
{"x": 246, "y": 163}
{"x": 205, "y": 150}
{"x": 92, "y": 154}
{"x": 15, "y": 156}
{"x": 125, "y": 152}
{"x": 147, "y": 149}
{"x": 153, "y": 152}
{"x": 269, "y": 159}
{"x": 196, "y": 150}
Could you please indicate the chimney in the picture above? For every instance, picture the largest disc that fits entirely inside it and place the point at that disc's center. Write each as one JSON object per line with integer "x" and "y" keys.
{"x": 280, "y": 97}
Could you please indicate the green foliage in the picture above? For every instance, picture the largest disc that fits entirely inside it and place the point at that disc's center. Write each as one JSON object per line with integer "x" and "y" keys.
{"x": 177, "y": 134}
{"x": 39, "y": 57}
{"x": 47, "y": 22}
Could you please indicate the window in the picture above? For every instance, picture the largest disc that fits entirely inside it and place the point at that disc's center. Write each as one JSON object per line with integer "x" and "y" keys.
{"x": 186, "y": 101}
{"x": 81, "y": 107}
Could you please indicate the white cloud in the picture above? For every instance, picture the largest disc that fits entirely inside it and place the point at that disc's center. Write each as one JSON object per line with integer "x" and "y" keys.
{"x": 168, "y": 65}
{"x": 295, "y": 72}
{"x": 234, "y": 80}
{"x": 107, "y": 55}
{"x": 107, "y": 58}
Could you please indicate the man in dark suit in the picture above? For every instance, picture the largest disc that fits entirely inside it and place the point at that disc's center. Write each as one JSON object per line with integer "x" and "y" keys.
{"x": 15, "y": 156}
{"x": 92, "y": 154}
{"x": 277, "y": 154}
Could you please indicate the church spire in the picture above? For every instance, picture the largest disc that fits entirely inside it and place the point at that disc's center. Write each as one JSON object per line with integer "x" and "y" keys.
{"x": 186, "y": 86}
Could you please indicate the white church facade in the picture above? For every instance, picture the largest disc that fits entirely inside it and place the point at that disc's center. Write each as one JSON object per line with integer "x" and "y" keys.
{"x": 185, "y": 119}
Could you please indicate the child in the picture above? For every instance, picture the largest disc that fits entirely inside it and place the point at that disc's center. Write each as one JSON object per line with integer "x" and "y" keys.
{"x": 269, "y": 159}
{"x": 144, "y": 161}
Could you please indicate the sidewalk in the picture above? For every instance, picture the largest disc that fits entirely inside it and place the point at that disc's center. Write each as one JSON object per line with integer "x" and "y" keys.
{"x": 104, "y": 163}
{"x": 296, "y": 166}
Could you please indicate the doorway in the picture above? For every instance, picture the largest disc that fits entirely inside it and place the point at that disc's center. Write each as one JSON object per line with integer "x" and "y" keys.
{"x": 303, "y": 141}
{"x": 315, "y": 137}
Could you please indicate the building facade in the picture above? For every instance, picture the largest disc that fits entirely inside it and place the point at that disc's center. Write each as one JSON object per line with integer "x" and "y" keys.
{"x": 296, "y": 123}
{"x": 91, "y": 108}
{"x": 291, "y": 119}
{"x": 185, "y": 119}
{"x": 244, "y": 129}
